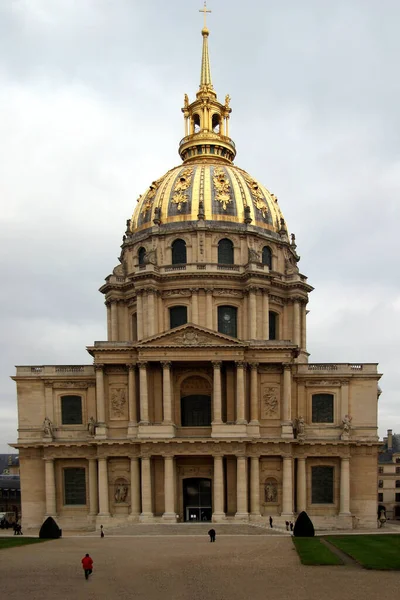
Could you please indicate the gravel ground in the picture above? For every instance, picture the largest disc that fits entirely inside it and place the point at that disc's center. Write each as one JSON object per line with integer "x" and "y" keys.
{"x": 181, "y": 568}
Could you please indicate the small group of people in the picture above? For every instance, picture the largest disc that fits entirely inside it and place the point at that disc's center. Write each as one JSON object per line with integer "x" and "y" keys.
{"x": 289, "y": 525}
{"x": 17, "y": 529}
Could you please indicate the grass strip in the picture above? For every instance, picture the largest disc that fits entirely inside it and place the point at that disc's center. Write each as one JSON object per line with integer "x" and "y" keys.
{"x": 13, "y": 542}
{"x": 380, "y": 552}
{"x": 312, "y": 551}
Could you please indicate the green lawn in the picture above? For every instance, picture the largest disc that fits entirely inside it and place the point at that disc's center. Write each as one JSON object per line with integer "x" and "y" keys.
{"x": 12, "y": 542}
{"x": 371, "y": 551}
{"x": 313, "y": 552}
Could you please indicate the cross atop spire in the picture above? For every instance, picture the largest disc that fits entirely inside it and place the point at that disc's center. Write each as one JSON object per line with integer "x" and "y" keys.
{"x": 205, "y": 77}
{"x": 205, "y": 11}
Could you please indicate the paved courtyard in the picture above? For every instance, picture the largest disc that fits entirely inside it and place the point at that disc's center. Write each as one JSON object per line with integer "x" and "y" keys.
{"x": 181, "y": 567}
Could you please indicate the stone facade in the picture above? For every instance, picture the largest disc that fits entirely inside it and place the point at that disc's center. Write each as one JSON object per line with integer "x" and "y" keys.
{"x": 201, "y": 405}
{"x": 389, "y": 476}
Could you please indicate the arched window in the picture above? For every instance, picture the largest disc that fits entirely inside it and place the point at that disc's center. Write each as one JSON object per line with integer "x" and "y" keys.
{"x": 71, "y": 410}
{"x": 196, "y": 411}
{"x": 322, "y": 408}
{"x": 141, "y": 255}
{"x": 227, "y": 320}
{"x": 178, "y": 252}
{"x": 177, "y": 316}
{"x": 267, "y": 256}
{"x": 273, "y": 325}
{"x": 216, "y": 123}
{"x": 225, "y": 252}
{"x": 196, "y": 123}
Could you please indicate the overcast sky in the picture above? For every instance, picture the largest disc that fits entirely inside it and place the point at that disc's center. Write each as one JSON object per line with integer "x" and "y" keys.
{"x": 90, "y": 98}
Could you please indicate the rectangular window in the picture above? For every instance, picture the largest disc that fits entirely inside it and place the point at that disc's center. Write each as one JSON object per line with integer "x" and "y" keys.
{"x": 322, "y": 408}
{"x": 74, "y": 486}
{"x": 227, "y": 320}
{"x": 380, "y": 483}
{"x": 71, "y": 410}
{"x": 397, "y": 497}
{"x": 380, "y": 497}
{"x": 177, "y": 316}
{"x": 322, "y": 485}
{"x": 380, "y": 470}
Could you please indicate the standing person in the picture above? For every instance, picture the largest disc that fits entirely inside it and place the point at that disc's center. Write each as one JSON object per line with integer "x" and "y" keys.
{"x": 291, "y": 526}
{"x": 270, "y": 522}
{"x": 87, "y": 564}
{"x": 212, "y": 535}
{"x": 101, "y": 531}
{"x": 287, "y": 525}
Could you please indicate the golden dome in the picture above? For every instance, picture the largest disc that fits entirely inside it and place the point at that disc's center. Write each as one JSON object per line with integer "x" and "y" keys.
{"x": 207, "y": 186}
{"x": 211, "y": 192}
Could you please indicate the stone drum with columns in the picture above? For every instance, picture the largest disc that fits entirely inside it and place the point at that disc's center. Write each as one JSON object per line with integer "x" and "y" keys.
{"x": 201, "y": 405}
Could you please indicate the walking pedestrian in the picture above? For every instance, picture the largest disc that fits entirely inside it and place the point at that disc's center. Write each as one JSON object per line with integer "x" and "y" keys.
{"x": 270, "y": 522}
{"x": 87, "y": 564}
{"x": 101, "y": 531}
{"x": 291, "y": 526}
{"x": 212, "y": 535}
{"x": 287, "y": 525}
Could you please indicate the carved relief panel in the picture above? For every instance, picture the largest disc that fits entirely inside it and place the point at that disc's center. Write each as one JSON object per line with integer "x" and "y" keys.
{"x": 270, "y": 401}
{"x": 118, "y": 402}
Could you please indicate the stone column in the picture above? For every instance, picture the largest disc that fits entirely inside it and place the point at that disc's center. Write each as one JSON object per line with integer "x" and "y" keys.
{"x": 296, "y": 323}
{"x": 240, "y": 394}
{"x": 150, "y": 313}
{"x": 50, "y": 483}
{"x": 135, "y": 487}
{"x": 195, "y": 306}
{"x": 114, "y": 321}
{"x": 132, "y": 401}
{"x": 252, "y": 314}
{"x": 265, "y": 316}
{"x": 139, "y": 313}
{"x": 144, "y": 397}
{"x": 255, "y": 486}
{"x": 104, "y": 504}
{"x": 100, "y": 404}
{"x": 304, "y": 328}
{"x": 218, "y": 513}
{"x": 217, "y": 403}
{"x": 254, "y": 394}
{"x": 167, "y": 404}
{"x": 108, "y": 321}
{"x": 209, "y": 309}
{"x": 287, "y": 486}
{"x": 93, "y": 487}
{"x": 287, "y": 427}
{"x": 345, "y": 486}
{"x": 147, "y": 512}
{"x": 241, "y": 488}
{"x": 301, "y": 485}
{"x": 169, "y": 489}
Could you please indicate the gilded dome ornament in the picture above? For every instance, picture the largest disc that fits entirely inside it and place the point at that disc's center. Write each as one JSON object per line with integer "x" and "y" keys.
{"x": 185, "y": 179}
{"x": 222, "y": 187}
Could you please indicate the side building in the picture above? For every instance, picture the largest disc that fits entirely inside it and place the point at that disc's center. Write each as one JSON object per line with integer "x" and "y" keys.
{"x": 201, "y": 404}
{"x": 389, "y": 476}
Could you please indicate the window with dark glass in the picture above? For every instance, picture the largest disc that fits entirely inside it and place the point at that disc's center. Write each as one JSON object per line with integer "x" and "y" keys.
{"x": 398, "y": 483}
{"x": 267, "y": 256}
{"x": 397, "y": 469}
{"x": 177, "y": 316}
{"x": 141, "y": 255}
{"x": 322, "y": 485}
{"x": 71, "y": 410}
{"x": 322, "y": 408}
{"x": 225, "y": 252}
{"x": 380, "y": 497}
{"x": 397, "y": 497}
{"x": 178, "y": 252}
{"x": 398, "y": 460}
{"x": 380, "y": 483}
{"x": 380, "y": 470}
{"x": 196, "y": 411}
{"x": 227, "y": 320}
{"x": 74, "y": 486}
{"x": 273, "y": 325}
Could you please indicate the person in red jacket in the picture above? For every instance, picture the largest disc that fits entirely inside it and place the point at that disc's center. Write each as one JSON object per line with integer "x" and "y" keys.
{"x": 87, "y": 564}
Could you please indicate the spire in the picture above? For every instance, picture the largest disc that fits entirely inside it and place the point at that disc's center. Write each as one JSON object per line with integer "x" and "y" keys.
{"x": 205, "y": 77}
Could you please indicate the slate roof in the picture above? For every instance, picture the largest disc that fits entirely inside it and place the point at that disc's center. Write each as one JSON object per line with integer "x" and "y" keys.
{"x": 4, "y": 458}
{"x": 387, "y": 455}
{"x": 10, "y": 482}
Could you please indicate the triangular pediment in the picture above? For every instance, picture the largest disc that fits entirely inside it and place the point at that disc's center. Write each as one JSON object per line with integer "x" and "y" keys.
{"x": 189, "y": 335}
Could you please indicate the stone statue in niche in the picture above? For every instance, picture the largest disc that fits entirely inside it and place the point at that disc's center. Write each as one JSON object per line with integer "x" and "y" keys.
{"x": 48, "y": 428}
{"x": 254, "y": 256}
{"x": 121, "y": 492}
{"x": 346, "y": 426}
{"x": 118, "y": 401}
{"x": 91, "y": 426}
{"x": 271, "y": 491}
{"x": 270, "y": 401}
{"x": 300, "y": 427}
{"x": 150, "y": 258}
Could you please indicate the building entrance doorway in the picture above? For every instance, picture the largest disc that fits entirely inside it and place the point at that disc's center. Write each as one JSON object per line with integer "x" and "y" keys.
{"x": 197, "y": 499}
